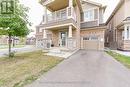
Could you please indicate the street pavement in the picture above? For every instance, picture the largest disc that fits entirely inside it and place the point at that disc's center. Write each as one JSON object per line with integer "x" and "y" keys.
{"x": 27, "y": 48}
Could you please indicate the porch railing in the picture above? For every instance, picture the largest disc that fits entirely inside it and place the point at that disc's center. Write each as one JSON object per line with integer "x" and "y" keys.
{"x": 44, "y": 43}
{"x": 47, "y": 2}
{"x": 120, "y": 43}
{"x": 71, "y": 43}
{"x": 58, "y": 15}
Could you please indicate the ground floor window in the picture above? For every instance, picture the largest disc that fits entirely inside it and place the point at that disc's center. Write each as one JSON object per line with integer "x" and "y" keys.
{"x": 128, "y": 32}
{"x": 91, "y": 37}
{"x": 85, "y": 38}
{"x": 123, "y": 35}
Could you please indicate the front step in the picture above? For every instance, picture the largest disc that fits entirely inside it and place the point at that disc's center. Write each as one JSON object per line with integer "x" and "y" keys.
{"x": 56, "y": 50}
{"x": 60, "y": 52}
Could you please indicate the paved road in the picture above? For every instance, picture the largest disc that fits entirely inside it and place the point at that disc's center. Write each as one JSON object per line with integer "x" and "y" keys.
{"x": 27, "y": 48}
{"x": 86, "y": 69}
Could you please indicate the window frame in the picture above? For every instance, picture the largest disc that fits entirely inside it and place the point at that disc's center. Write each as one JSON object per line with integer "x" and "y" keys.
{"x": 40, "y": 30}
{"x": 128, "y": 34}
{"x": 89, "y": 19}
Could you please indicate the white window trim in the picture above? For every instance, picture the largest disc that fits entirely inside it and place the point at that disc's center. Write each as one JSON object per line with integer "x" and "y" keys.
{"x": 93, "y": 14}
{"x": 126, "y": 32}
{"x": 129, "y": 32}
{"x": 87, "y": 19}
{"x": 123, "y": 33}
{"x": 40, "y": 30}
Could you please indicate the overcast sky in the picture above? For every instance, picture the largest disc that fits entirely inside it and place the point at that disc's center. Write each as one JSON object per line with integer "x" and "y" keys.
{"x": 36, "y": 10}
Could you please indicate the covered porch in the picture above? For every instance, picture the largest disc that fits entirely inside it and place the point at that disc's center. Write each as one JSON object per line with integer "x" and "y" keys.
{"x": 62, "y": 37}
{"x": 123, "y": 37}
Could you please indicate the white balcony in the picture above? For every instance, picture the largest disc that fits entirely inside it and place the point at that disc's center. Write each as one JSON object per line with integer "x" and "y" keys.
{"x": 45, "y": 2}
{"x": 59, "y": 15}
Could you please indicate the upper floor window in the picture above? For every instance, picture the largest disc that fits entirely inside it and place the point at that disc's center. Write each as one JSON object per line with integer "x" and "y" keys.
{"x": 110, "y": 27}
{"x": 40, "y": 29}
{"x": 89, "y": 15}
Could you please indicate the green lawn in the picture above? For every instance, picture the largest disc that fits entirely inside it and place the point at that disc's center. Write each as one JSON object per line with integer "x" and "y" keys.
{"x": 25, "y": 68}
{"x": 121, "y": 58}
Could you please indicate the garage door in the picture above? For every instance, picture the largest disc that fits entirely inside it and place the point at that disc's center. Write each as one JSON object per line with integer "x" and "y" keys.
{"x": 90, "y": 43}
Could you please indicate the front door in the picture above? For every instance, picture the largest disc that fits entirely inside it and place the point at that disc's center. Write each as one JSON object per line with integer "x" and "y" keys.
{"x": 63, "y": 37}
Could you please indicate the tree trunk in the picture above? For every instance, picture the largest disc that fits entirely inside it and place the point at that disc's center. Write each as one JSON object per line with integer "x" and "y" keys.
{"x": 13, "y": 41}
{"x": 10, "y": 41}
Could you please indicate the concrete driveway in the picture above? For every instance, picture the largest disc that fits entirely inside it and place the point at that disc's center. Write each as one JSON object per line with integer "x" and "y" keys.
{"x": 27, "y": 48}
{"x": 86, "y": 69}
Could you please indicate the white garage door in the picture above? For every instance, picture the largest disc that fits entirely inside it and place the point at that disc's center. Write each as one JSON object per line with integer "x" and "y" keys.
{"x": 90, "y": 43}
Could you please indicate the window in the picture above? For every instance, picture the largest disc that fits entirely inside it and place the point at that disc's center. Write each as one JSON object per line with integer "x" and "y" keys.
{"x": 40, "y": 30}
{"x": 85, "y": 38}
{"x": 91, "y": 37}
{"x": 123, "y": 33}
{"x": 89, "y": 15}
{"x": 107, "y": 39}
{"x": 128, "y": 32}
{"x": 94, "y": 38}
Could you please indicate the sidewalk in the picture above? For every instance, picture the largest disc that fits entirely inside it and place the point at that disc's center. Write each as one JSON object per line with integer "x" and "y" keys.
{"x": 122, "y": 52}
{"x": 27, "y": 48}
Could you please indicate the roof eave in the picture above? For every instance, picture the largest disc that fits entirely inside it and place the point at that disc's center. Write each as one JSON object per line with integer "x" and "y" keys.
{"x": 115, "y": 10}
{"x": 94, "y": 3}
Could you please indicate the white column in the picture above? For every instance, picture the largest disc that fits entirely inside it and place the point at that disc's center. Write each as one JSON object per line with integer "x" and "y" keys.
{"x": 125, "y": 32}
{"x": 98, "y": 16}
{"x": 45, "y": 16}
{"x": 44, "y": 34}
{"x": 70, "y": 31}
{"x": 70, "y": 3}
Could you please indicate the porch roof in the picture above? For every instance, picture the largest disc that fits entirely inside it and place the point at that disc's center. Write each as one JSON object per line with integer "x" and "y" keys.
{"x": 60, "y": 4}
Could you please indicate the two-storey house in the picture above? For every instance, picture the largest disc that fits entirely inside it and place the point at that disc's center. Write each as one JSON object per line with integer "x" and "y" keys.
{"x": 117, "y": 34}
{"x": 72, "y": 24}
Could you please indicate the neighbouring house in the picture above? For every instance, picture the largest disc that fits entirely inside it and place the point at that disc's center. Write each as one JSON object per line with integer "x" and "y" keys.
{"x": 117, "y": 35}
{"x": 4, "y": 40}
{"x": 31, "y": 41}
{"x": 72, "y": 24}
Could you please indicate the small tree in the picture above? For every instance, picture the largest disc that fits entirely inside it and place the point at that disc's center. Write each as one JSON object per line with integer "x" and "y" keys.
{"x": 16, "y": 25}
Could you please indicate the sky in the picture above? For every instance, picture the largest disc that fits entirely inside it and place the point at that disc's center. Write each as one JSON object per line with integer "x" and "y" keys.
{"x": 36, "y": 10}
{"x": 111, "y": 4}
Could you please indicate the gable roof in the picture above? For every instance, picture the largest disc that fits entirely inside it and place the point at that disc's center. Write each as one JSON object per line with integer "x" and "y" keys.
{"x": 115, "y": 10}
{"x": 93, "y": 3}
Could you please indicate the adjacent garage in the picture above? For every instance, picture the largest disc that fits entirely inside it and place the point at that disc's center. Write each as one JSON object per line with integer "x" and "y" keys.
{"x": 92, "y": 39}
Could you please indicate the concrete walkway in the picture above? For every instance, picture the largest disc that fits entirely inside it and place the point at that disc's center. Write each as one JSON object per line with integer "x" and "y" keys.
{"x": 86, "y": 69}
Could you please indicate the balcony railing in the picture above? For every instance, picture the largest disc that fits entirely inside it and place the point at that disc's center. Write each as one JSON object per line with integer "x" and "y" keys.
{"x": 59, "y": 15}
{"x": 45, "y": 2}
{"x": 89, "y": 24}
